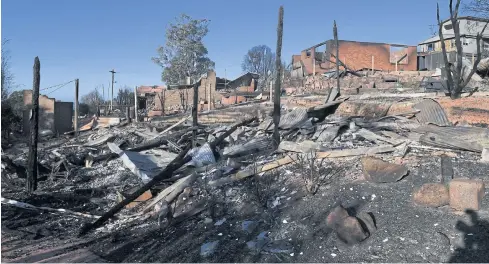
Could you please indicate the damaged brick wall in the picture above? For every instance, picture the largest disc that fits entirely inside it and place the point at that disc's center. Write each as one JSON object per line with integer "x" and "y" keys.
{"x": 171, "y": 100}
{"x": 358, "y": 55}
{"x": 46, "y": 112}
{"x": 54, "y": 116}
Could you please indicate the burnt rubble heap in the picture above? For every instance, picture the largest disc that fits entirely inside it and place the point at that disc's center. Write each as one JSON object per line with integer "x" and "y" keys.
{"x": 352, "y": 180}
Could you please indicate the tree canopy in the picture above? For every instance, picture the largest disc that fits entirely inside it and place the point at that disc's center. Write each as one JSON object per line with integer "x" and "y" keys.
{"x": 184, "y": 54}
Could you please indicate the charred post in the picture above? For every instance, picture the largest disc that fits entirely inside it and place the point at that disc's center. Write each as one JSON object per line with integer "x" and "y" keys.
{"x": 337, "y": 43}
{"x": 34, "y": 130}
{"x": 277, "y": 88}
{"x": 194, "y": 114}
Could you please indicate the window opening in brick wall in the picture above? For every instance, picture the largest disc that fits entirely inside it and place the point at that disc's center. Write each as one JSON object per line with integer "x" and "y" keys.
{"x": 397, "y": 52}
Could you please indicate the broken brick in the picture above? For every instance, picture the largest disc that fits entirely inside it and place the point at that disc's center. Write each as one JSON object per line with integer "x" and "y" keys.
{"x": 379, "y": 171}
{"x": 466, "y": 194}
{"x": 432, "y": 195}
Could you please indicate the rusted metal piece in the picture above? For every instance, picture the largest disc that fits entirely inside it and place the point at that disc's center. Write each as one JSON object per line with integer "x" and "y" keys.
{"x": 431, "y": 112}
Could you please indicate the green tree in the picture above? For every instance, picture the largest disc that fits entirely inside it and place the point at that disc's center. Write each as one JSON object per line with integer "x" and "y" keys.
{"x": 184, "y": 54}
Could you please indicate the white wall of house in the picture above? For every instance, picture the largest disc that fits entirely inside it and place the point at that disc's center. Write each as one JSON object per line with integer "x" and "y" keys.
{"x": 467, "y": 27}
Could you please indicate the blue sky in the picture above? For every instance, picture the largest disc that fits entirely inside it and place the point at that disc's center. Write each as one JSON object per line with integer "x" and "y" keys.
{"x": 85, "y": 39}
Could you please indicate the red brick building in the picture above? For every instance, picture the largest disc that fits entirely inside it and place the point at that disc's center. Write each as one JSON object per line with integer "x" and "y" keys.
{"x": 356, "y": 55}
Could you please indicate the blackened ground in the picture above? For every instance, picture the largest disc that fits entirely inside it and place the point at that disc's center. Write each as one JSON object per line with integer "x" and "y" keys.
{"x": 406, "y": 232}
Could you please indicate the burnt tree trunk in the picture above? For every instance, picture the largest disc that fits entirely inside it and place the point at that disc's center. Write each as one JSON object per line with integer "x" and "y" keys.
{"x": 32, "y": 162}
{"x": 194, "y": 114}
{"x": 277, "y": 88}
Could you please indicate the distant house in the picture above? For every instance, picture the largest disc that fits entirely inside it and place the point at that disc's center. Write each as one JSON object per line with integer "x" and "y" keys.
{"x": 161, "y": 100}
{"x": 430, "y": 56}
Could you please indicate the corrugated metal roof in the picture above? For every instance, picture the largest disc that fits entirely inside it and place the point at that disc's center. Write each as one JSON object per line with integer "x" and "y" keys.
{"x": 294, "y": 118}
{"x": 431, "y": 113}
{"x": 253, "y": 146}
{"x": 477, "y": 135}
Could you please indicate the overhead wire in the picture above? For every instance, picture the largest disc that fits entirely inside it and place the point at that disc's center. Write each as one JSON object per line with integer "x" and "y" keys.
{"x": 57, "y": 85}
{"x": 59, "y": 88}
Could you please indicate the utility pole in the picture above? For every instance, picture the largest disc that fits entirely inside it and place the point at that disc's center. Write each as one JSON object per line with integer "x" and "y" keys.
{"x": 136, "y": 104}
{"x": 76, "y": 107}
{"x": 112, "y": 98}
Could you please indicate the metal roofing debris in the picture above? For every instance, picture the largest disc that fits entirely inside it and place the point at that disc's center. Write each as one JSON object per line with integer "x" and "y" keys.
{"x": 431, "y": 84}
{"x": 252, "y": 146}
{"x": 431, "y": 113}
{"x": 294, "y": 118}
{"x": 443, "y": 141}
{"x": 144, "y": 166}
{"x": 473, "y": 135}
{"x": 328, "y": 134}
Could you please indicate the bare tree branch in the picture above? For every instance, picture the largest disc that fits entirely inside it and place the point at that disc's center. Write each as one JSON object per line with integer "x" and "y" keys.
{"x": 443, "y": 48}
{"x": 479, "y": 56}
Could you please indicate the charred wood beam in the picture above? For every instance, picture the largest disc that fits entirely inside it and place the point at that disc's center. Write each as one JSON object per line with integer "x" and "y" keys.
{"x": 402, "y": 58}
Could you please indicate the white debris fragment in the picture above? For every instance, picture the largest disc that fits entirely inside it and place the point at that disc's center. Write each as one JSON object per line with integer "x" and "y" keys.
{"x": 373, "y": 196}
{"x": 275, "y": 202}
{"x": 301, "y": 253}
{"x": 333, "y": 255}
{"x": 220, "y": 234}
{"x": 385, "y": 240}
{"x": 351, "y": 189}
{"x": 284, "y": 221}
{"x": 292, "y": 254}
{"x": 220, "y": 222}
{"x": 436, "y": 224}
{"x": 402, "y": 238}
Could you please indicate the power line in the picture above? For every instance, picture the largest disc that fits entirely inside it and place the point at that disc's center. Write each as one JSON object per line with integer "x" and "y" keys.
{"x": 57, "y": 85}
{"x": 60, "y": 87}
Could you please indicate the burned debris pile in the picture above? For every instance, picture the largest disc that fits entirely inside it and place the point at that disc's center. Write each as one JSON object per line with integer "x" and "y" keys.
{"x": 137, "y": 190}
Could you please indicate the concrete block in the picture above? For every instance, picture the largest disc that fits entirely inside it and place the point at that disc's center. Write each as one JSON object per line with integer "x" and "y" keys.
{"x": 466, "y": 194}
{"x": 485, "y": 155}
